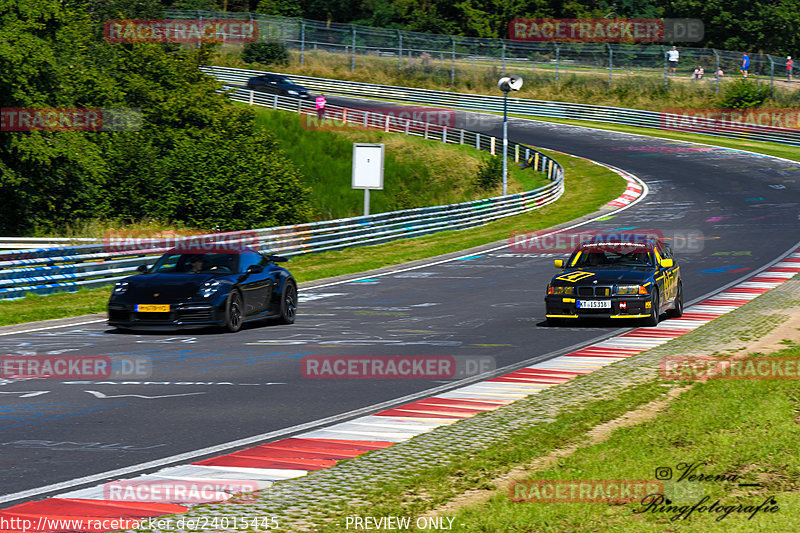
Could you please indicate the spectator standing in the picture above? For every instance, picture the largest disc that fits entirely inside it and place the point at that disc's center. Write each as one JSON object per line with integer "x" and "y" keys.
{"x": 789, "y": 65}
{"x": 320, "y": 101}
{"x": 745, "y": 68}
{"x": 673, "y": 56}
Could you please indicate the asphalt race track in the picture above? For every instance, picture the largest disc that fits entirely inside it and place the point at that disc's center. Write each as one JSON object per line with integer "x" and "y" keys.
{"x": 207, "y": 389}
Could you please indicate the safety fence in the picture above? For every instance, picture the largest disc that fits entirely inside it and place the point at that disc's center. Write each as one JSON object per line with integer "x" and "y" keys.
{"x": 536, "y": 108}
{"x": 48, "y": 270}
{"x": 456, "y": 54}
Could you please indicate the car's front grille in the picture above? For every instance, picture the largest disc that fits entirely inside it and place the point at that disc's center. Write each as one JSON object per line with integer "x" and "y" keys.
{"x": 594, "y": 291}
{"x": 118, "y": 314}
{"x": 195, "y": 315}
{"x": 157, "y": 317}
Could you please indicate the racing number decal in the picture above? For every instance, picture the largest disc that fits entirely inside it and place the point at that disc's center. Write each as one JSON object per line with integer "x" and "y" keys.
{"x": 572, "y": 277}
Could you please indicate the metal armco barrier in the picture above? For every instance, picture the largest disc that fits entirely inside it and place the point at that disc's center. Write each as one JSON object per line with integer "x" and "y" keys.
{"x": 533, "y": 108}
{"x": 48, "y": 270}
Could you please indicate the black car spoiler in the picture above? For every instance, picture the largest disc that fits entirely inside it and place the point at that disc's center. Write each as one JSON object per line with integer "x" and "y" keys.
{"x": 276, "y": 258}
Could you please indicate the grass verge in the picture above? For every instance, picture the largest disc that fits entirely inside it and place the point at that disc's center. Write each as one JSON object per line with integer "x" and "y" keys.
{"x": 588, "y": 187}
{"x": 417, "y": 172}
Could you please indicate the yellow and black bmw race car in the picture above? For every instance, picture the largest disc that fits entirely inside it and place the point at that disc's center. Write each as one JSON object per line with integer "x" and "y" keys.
{"x": 616, "y": 276}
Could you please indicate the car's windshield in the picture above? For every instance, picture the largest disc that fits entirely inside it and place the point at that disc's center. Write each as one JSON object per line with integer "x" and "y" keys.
{"x": 196, "y": 263}
{"x": 606, "y": 257}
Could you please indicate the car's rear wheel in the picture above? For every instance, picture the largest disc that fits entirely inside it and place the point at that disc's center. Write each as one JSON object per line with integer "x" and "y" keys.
{"x": 233, "y": 312}
{"x": 655, "y": 314}
{"x": 677, "y": 307}
{"x": 288, "y": 303}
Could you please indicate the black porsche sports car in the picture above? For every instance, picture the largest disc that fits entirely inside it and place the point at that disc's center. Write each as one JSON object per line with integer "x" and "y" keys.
{"x": 277, "y": 84}
{"x": 187, "y": 289}
{"x": 616, "y": 276}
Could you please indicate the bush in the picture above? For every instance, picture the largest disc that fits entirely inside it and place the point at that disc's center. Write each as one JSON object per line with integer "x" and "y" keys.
{"x": 266, "y": 52}
{"x": 742, "y": 94}
{"x": 490, "y": 174}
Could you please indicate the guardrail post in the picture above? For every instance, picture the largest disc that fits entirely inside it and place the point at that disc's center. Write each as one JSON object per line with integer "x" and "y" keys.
{"x": 491, "y": 147}
{"x": 461, "y": 137}
{"x": 716, "y": 70}
{"x": 274, "y": 101}
{"x": 426, "y": 130}
{"x": 251, "y": 97}
{"x": 610, "y": 64}
{"x": 299, "y": 106}
{"x": 549, "y": 169}
{"x": 558, "y": 59}
{"x": 386, "y": 125}
{"x": 302, "y": 41}
{"x": 400, "y": 52}
{"x": 527, "y": 154}
{"x": 536, "y": 161}
{"x": 453, "y": 62}
{"x": 478, "y": 141}
{"x": 771, "y": 72}
{"x": 344, "y": 115}
{"x": 408, "y": 124}
{"x": 516, "y": 153}
{"x": 353, "y": 57}
{"x": 365, "y": 118}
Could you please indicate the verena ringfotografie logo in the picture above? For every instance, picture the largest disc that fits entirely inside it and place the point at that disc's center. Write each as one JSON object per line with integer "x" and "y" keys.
{"x": 729, "y": 120}
{"x": 394, "y": 118}
{"x": 394, "y": 367}
{"x": 583, "y": 490}
{"x": 190, "y": 242}
{"x": 181, "y": 491}
{"x": 69, "y": 119}
{"x": 703, "y": 368}
{"x": 74, "y": 367}
{"x": 180, "y": 31}
{"x": 606, "y": 30}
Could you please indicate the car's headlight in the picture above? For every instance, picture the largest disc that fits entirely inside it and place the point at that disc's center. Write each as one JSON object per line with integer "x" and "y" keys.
{"x": 210, "y": 287}
{"x": 561, "y": 290}
{"x": 120, "y": 287}
{"x": 294, "y": 93}
{"x": 631, "y": 289}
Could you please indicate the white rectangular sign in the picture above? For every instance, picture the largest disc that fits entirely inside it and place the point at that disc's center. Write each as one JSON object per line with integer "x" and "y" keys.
{"x": 367, "y": 166}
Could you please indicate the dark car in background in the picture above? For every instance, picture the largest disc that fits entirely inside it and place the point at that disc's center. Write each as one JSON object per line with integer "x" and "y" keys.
{"x": 190, "y": 289}
{"x": 277, "y": 84}
{"x": 616, "y": 277}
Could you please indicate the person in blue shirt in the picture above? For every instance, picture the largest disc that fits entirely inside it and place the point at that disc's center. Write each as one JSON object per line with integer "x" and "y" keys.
{"x": 745, "y": 64}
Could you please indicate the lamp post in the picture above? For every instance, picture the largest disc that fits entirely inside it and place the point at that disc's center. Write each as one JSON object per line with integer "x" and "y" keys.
{"x": 506, "y": 84}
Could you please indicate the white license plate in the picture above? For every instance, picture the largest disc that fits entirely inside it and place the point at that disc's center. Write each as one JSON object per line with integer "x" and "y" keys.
{"x": 594, "y": 304}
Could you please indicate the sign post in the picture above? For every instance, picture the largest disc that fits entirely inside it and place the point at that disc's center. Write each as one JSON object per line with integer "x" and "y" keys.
{"x": 367, "y": 169}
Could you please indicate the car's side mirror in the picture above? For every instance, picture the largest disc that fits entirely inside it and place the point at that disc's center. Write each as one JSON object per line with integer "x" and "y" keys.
{"x": 558, "y": 263}
{"x": 255, "y": 269}
{"x": 667, "y": 263}
{"x": 142, "y": 269}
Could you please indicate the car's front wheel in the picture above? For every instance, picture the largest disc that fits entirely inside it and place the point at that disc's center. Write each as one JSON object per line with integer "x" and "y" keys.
{"x": 655, "y": 313}
{"x": 233, "y": 312}
{"x": 288, "y": 303}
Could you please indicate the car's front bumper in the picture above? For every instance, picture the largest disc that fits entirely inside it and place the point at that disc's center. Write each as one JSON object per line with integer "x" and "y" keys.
{"x": 181, "y": 315}
{"x": 634, "y": 306}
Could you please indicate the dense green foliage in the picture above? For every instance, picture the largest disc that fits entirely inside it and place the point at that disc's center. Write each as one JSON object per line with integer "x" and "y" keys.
{"x": 490, "y": 173}
{"x": 266, "y": 52}
{"x": 768, "y": 25}
{"x": 744, "y": 93}
{"x": 194, "y": 160}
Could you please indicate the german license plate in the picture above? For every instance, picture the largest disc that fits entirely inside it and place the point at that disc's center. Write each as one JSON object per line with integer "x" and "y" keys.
{"x": 152, "y": 308}
{"x": 594, "y": 304}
